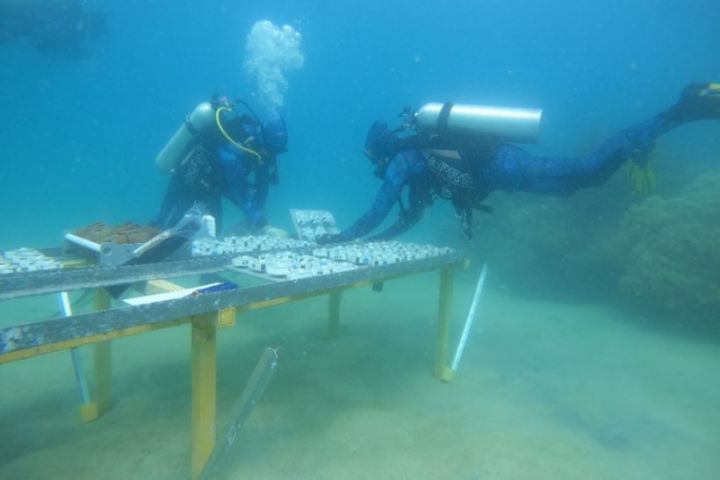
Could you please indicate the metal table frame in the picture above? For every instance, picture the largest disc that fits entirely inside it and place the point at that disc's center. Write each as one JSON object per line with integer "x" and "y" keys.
{"x": 206, "y": 313}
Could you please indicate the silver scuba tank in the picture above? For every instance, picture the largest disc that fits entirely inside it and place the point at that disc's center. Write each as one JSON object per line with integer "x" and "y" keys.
{"x": 513, "y": 124}
{"x": 196, "y": 123}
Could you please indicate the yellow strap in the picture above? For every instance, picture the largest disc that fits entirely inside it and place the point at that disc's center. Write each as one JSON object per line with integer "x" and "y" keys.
{"x": 230, "y": 139}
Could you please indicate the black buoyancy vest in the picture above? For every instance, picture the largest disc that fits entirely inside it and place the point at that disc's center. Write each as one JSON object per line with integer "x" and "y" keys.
{"x": 456, "y": 182}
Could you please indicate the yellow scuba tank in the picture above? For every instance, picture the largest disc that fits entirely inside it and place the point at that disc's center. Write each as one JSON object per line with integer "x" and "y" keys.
{"x": 186, "y": 136}
{"x": 513, "y": 124}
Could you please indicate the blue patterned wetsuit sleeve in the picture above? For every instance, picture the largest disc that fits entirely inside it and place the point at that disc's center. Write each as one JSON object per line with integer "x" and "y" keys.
{"x": 514, "y": 169}
{"x": 401, "y": 167}
{"x": 237, "y": 167}
{"x": 256, "y": 205}
{"x": 408, "y": 219}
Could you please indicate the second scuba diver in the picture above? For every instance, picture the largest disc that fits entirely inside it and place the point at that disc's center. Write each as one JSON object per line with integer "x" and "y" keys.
{"x": 218, "y": 152}
{"x": 460, "y": 153}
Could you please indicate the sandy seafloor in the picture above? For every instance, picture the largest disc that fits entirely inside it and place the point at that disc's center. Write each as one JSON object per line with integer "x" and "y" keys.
{"x": 545, "y": 391}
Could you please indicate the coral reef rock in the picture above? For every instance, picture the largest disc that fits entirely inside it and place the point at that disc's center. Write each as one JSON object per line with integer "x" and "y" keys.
{"x": 672, "y": 250}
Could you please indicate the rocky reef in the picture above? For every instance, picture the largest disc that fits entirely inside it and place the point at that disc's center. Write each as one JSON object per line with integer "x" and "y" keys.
{"x": 659, "y": 254}
{"x": 668, "y": 251}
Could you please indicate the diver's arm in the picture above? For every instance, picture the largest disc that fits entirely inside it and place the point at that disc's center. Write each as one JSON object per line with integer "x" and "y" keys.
{"x": 394, "y": 180}
{"x": 252, "y": 205}
{"x": 240, "y": 191}
{"x": 384, "y": 200}
{"x": 254, "y": 214}
{"x": 408, "y": 219}
{"x": 262, "y": 184}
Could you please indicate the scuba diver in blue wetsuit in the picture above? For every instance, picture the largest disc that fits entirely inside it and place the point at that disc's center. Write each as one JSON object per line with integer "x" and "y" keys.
{"x": 460, "y": 153}
{"x": 218, "y": 152}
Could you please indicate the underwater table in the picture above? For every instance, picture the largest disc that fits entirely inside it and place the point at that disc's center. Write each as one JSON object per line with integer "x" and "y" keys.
{"x": 245, "y": 273}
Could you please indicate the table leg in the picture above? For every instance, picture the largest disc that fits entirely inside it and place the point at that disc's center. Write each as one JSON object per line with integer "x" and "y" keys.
{"x": 444, "y": 315}
{"x": 204, "y": 371}
{"x": 102, "y": 363}
{"x": 334, "y": 313}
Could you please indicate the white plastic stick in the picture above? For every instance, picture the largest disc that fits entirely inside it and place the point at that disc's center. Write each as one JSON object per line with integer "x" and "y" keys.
{"x": 64, "y": 299}
{"x": 165, "y": 296}
{"x": 470, "y": 319}
{"x": 83, "y": 242}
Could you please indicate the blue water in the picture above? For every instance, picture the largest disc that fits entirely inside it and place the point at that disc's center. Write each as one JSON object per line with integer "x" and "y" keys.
{"x": 79, "y": 135}
{"x": 550, "y": 390}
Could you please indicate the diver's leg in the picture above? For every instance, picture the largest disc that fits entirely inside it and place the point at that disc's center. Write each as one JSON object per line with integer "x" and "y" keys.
{"x": 178, "y": 199}
{"x": 195, "y": 181}
{"x": 209, "y": 190}
{"x": 512, "y": 168}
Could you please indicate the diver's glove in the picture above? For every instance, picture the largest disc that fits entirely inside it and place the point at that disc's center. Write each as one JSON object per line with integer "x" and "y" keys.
{"x": 329, "y": 238}
{"x": 274, "y": 231}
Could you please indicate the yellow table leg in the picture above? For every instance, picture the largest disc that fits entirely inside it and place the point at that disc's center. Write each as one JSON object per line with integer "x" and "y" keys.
{"x": 203, "y": 391}
{"x": 334, "y": 313}
{"x": 102, "y": 365}
{"x": 442, "y": 370}
{"x": 89, "y": 412}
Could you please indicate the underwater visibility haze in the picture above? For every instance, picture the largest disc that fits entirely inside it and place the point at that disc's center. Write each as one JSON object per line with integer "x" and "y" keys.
{"x": 597, "y": 345}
